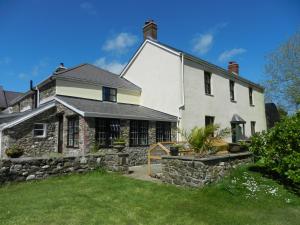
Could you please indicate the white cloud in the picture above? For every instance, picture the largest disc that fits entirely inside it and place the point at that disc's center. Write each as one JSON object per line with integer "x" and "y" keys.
{"x": 88, "y": 7}
{"x": 114, "y": 66}
{"x": 36, "y": 70}
{"x": 229, "y": 54}
{"x": 203, "y": 43}
{"x": 120, "y": 43}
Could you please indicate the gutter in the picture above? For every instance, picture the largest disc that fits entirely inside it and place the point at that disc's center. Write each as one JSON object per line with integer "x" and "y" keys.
{"x": 182, "y": 81}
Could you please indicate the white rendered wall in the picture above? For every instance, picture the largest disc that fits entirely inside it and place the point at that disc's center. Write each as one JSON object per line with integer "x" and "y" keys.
{"x": 198, "y": 104}
{"x": 158, "y": 73}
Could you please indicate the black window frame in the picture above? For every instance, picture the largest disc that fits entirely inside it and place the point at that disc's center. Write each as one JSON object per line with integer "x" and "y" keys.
{"x": 231, "y": 90}
{"x": 73, "y": 132}
{"x": 106, "y": 131}
{"x": 252, "y": 125}
{"x": 107, "y": 95}
{"x": 163, "y": 131}
{"x": 209, "y": 120}
{"x": 251, "y": 96}
{"x": 207, "y": 82}
{"x": 139, "y": 133}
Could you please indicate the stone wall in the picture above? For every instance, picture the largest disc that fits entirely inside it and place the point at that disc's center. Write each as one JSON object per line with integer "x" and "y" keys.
{"x": 22, "y": 135}
{"x": 39, "y": 168}
{"x": 197, "y": 172}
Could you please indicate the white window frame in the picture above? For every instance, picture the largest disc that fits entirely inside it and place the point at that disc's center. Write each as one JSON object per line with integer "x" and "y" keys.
{"x": 44, "y": 130}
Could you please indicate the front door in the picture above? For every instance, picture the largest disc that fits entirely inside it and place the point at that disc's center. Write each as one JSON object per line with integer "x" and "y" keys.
{"x": 237, "y": 131}
{"x": 60, "y": 134}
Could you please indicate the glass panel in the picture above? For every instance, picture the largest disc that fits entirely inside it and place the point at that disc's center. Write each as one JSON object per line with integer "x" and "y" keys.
{"x": 38, "y": 126}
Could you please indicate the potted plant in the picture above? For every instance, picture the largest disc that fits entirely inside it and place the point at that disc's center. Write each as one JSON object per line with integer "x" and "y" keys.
{"x": 15, "y": 151}
{"x": 174, "y": 150}
{"x": 119, "y": 144}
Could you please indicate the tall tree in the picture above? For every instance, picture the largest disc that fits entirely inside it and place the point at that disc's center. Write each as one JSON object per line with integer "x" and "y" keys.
{"x": 283, "y": 74}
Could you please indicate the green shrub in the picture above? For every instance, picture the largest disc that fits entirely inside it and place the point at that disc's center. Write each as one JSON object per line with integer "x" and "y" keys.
{"x": 278, "y": 150}
{"x": 15, "y": 151}
{"x": 201, "y": 139}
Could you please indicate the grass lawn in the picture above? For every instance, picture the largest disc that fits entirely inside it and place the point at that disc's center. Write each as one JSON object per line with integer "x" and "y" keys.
{"x": 104, "y": 198}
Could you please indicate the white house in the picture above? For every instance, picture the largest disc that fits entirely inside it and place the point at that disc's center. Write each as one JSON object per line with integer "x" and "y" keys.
{"x": 196, "y": 91}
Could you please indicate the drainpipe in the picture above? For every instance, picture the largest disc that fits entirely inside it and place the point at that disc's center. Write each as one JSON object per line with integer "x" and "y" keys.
{"x": 182, "y": 94}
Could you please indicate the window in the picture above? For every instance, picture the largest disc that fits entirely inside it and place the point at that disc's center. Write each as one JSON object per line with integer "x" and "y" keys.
{"x": 109, "y": 94}
{"x": 250, "y": 96}
{"x": 209, "y": 120}
{"x": 73, "y": 132}
{"x": 107, "y": 130}
{"x": 39, "y": 130}
{"x": 207, "y": 81}
{"x": 138, "y": 133}
{"x": 252, "y": 127}
{"x": 163, "y": 131}
{"x": 231, "y": 87}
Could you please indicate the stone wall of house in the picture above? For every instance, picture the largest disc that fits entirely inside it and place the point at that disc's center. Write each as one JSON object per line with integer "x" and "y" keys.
{"x": 197, "y": 172}
{"x": 47, "y": 90}
{"x": 22, "y": 135}
{"x": 39, "y": 168}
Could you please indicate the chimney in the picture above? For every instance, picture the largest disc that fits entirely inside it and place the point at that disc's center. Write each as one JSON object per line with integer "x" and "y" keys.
{"x": 150, "y": 30}
{"x": 233, "y": 67}
{"x": 60, "y": 68}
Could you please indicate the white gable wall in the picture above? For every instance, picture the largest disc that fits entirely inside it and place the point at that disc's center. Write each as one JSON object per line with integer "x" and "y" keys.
{"x": 158, "y": 73}
{"x": 198, "y": 104}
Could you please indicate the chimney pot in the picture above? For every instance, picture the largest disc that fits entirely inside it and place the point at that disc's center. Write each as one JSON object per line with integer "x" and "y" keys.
{"x": 233, "y": 67}
{"x": 150, "y": 30}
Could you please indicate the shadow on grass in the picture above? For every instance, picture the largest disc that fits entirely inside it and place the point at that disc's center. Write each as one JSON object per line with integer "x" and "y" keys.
{"x": 287, "y": 183}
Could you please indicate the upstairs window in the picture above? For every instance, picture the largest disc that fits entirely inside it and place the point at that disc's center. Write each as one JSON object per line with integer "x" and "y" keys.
{"x": 231, "y": 89}
{"x": 40, "y": 130}
{"x": 163, "y": 131}
{"x": 207, "y": 82}
{"x": 73, "y": 132}
{"x": 138, "y": 133}
{"x": 252, "y": 127}
{"x": 109, "y": 94}
{"x": 250, "y": 96}
{"x": 107, "y": 131}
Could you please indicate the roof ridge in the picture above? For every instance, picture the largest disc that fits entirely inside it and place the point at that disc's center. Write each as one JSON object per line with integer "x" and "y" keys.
{"x": 72, "y": 68}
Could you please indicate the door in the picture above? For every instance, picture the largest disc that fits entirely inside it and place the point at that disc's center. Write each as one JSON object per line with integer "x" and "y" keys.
{"x": 60, "y": 134}
{"x": 237, "y": 131}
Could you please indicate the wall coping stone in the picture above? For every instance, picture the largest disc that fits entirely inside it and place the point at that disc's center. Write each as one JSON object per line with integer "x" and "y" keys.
{"x": 211, "y": 158}
{"x": 28, "y": 159}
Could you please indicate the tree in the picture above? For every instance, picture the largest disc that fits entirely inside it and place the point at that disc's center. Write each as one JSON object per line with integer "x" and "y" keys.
{"x": 283, "y": 74}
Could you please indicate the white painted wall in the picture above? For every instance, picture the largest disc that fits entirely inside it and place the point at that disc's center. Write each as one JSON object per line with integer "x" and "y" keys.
{"x": 76, "y": 89}
{"x": 89, "y": 91}
{"x": 198, "y": 104}
{"x": 158, "y": 73}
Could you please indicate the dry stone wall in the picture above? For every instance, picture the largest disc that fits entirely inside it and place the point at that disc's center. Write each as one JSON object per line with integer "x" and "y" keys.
{"x": 39, "y": 168}
{"x": 197, "y": 172}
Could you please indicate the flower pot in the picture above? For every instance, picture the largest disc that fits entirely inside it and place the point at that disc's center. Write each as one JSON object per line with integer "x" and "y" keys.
{"x": 119, "y": 147}
{"x": 174, "y": 151}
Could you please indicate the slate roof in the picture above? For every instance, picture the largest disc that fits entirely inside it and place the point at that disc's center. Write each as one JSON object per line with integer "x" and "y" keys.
{"x": 93, "y": 74}
{"x": 7, "y": 96}
{"x": 237, "y": 119}
{"x": 94, "y": 108}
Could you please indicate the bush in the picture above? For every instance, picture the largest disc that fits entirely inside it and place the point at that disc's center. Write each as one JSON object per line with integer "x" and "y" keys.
{"x": 201, "y": 139}
{"x": 15, "y": 151}
{"x": 278, "y": 150}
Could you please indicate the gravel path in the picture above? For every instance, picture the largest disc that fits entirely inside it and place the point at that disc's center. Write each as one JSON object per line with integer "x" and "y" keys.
{"x": 141, "y": 172}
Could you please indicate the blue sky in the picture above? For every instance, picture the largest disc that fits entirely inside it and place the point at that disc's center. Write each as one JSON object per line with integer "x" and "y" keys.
{"x": 35, "y": 36}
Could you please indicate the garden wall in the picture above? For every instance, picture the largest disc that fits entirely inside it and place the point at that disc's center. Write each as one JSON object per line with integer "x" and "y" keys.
{"x": 197, "y": 172}
{"x": 39, "y": 168}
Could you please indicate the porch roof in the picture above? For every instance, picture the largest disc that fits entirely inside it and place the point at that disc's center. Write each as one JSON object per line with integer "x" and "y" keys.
{"x": 95, "y": 108}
